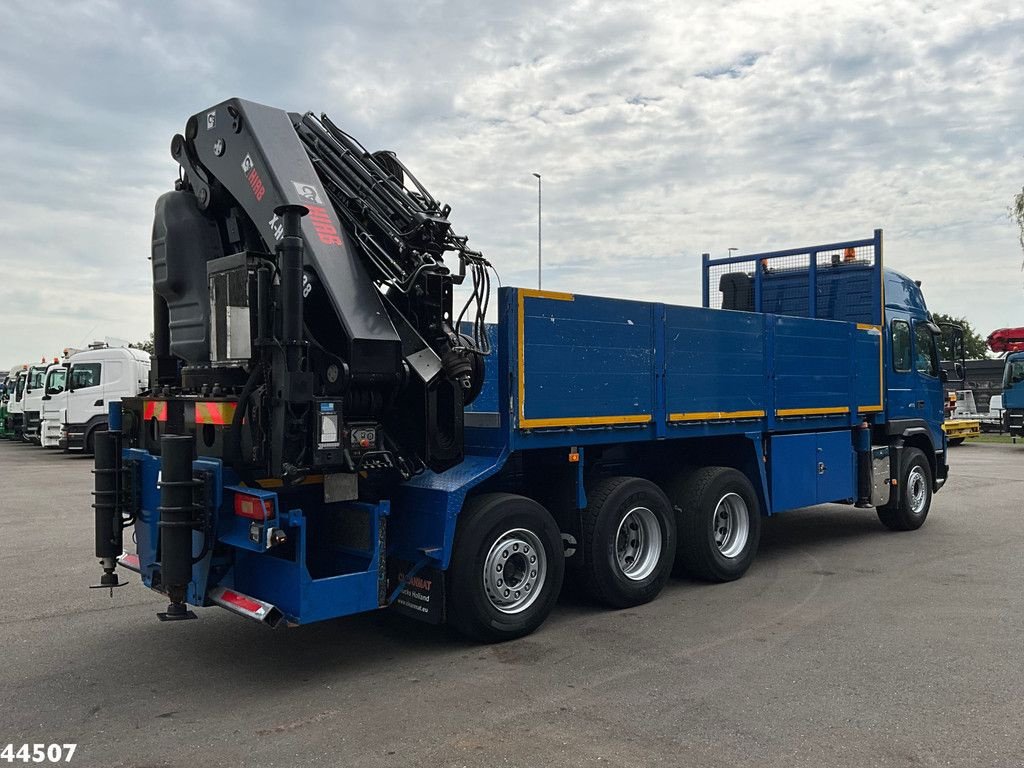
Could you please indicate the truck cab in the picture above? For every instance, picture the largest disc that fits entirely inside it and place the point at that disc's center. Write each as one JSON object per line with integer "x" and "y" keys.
{"x": 16, "y": 404}
{"x": 35, "y": 385}
{"x": 4, "y": 398}
{"x": 95, "y": 377}
{"x": 914, "y": 395}
{"x": 1013, "y": 394}
{"x": 54, "y": 402}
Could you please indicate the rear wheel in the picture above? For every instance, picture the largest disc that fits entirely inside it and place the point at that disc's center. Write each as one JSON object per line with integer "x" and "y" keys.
{"x": 909, "y": 509}
{"x": 719, "y": 521}
{"x": 507, "y": 567}
{"x": 629, "y": 542}
{"x": 956, "y": 441}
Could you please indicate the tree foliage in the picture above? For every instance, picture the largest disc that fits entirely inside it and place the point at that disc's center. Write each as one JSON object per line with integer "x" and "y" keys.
{"x": 1017, "y": 214}
{"x": 145, "y": 346}
{"x": 975, "y": 347}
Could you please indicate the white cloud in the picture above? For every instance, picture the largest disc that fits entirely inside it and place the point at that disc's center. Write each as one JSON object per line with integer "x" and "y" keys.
{"x": 661, "y": 129}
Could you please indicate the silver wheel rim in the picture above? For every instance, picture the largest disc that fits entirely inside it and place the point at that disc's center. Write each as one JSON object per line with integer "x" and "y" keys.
{"x": 638, "y": 544}
{"x": 917, "y": 486}
{"x": 731, "y": 524}
{"x": 515, "y": 570}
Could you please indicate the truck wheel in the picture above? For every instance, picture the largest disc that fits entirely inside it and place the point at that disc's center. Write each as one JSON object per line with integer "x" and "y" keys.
{"x": 956, "y": 441}
{"x": 506, "y": 569}
{"x": 90, "y": 438}
{"x": 629, "y": 538}
{"x": 907, "y": 512}
{"x": 719, "y": 521}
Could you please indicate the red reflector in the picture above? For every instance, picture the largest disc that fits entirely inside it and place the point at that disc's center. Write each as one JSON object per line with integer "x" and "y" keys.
{"x": 130, "y": 561}
{"x": 240, "y": 601}
{"x": 251, "y": 507}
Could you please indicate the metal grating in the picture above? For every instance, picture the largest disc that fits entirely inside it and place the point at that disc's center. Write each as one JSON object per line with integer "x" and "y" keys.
{"x": 843, "y": 275}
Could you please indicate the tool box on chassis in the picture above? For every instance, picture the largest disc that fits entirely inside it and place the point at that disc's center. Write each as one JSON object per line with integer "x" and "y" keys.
{"x": 795, "y": 377}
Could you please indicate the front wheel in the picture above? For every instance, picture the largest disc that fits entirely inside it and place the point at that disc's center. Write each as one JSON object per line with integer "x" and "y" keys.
{"x": 954, "y": 441}
{"x": 909, "y": 509}
{"x": 507, "y": 567}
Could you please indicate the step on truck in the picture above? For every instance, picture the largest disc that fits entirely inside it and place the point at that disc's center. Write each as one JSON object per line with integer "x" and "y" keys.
{"x": 325, "y": 433}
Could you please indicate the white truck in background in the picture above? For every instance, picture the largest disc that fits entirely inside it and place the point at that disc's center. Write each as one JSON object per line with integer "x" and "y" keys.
{"x": 16, "y": 403}
{"x": 96, "y": 376}
{"x": 32, "y": 400}
{"x": 51, "y": 424}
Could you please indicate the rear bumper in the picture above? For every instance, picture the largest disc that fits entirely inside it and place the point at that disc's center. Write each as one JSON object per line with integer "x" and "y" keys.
{"x": 965, "y": 428}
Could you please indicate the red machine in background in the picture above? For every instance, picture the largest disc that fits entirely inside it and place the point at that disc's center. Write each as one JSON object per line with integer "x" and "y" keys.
{"x": 1006, "y": 340}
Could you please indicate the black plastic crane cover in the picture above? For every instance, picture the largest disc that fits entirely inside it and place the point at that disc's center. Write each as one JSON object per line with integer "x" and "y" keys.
{"x": 184, "y": 239}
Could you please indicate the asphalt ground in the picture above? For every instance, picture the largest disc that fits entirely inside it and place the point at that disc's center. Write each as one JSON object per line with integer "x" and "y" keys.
{"x": 845, "y": 645}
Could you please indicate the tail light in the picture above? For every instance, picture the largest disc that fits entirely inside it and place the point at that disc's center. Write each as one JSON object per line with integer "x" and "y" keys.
{"x": 253, "y": 507}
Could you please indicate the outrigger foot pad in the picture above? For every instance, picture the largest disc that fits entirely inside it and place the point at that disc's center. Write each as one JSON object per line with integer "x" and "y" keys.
{"x": 108, "y": 581}
{"x": 176, "y": 612}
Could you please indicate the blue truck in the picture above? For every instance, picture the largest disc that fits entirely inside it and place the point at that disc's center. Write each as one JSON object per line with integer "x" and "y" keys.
{"x": 1013, "y": 394}
{"x": 324, "y": 435}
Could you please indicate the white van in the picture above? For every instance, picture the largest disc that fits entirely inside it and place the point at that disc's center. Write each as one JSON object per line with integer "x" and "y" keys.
{"x": 97, "y": 376}
{"x": 32, "y": 401}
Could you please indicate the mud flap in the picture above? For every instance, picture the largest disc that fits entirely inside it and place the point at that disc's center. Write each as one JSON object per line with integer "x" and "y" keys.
{"x": 422, "y": 591}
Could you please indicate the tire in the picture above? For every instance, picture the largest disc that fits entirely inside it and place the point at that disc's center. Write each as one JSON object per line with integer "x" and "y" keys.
{"x": 910, "y": 509}
{"x": 709, "y": 550}
{"x": 90, "y": 439}
{"x": 478, "y": 605}
{"x": 629, "y": 541}
{"x": 953, "y": 441}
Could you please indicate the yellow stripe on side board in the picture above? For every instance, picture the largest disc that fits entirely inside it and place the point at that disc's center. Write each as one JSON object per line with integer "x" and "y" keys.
{"x": 832, "y": 411}
{"x": 716, "y": 415}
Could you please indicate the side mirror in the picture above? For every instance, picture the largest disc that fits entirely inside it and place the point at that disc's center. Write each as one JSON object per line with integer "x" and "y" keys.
{"x": 944, "y": 376}
{"x": 954, "y": 335}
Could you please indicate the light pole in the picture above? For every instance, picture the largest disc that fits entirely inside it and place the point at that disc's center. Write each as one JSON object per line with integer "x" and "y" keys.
{"x": 538, "y": 230}
{"x": 732, "y": 251}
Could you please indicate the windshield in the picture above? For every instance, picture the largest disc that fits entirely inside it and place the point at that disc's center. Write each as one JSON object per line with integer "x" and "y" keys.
{"x": 1014, "y": 373}
{"x": 35, "y": 377}
{"x": 55, "y": 381}
{"x": 84, "y": 375}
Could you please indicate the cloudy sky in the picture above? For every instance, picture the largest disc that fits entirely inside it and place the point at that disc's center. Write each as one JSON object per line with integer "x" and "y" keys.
{"x": 662, "y": 130}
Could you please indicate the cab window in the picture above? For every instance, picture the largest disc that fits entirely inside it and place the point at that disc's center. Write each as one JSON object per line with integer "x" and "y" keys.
{"x": 926, "y": 360}
{"x": 900, "y": 345}
{"x": 1014, "y": 373}
{"x": 84, "y": 375}
{"x": 55, "y": 381}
